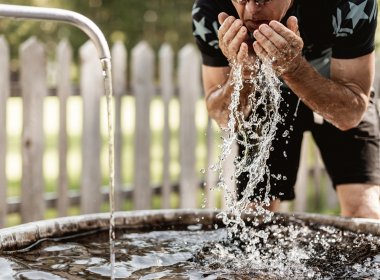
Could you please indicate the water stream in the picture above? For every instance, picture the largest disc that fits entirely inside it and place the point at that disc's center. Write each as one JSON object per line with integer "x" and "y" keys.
{"x": 106, "y": 65}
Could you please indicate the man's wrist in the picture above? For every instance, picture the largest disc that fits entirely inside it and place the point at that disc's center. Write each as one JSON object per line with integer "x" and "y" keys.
{"x": 296, "y": 70}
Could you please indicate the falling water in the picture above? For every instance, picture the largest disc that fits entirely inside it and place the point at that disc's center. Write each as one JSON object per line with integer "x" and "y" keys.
{"x": 106, "y": 65}
{"x": 255, "y": 133}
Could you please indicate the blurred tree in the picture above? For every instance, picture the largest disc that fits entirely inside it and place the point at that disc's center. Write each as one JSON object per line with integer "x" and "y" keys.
{"x": 155, "y": 21}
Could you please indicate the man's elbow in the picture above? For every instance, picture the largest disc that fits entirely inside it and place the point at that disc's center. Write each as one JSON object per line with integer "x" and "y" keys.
{"x": 217, "y": 116}
{"x": 352, "y": 119}
{"x": 347, "y": 125}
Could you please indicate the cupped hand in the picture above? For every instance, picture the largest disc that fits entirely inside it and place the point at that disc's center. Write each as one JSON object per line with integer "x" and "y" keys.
{"x": 232, "y": 37}
{"x": 282, "y": 45}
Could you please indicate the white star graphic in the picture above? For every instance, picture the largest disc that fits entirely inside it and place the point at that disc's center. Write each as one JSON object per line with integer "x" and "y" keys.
{"x": 195, "y": 10}
{"x": 200, "y": 29}
{"x": 357, "y": 13}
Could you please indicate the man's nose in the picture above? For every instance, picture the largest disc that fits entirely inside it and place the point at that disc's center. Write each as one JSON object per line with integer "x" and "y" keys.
{"x": 252, "y": 7}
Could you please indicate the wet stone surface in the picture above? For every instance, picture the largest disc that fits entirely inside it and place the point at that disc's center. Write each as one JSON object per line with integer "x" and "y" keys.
{"x": 292, "y": 249}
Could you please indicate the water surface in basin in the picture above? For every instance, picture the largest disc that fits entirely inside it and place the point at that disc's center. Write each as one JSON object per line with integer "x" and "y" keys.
{"x": 294, "y": 250}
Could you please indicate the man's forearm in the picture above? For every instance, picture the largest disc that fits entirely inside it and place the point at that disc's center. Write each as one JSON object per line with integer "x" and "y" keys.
{"x": 340, "y": 104}
{"x": 218, "y": 102}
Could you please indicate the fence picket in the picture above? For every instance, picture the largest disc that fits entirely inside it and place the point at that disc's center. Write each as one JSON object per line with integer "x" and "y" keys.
{"x": 92, "y": 88}
{"x": 166, "y": 60}
{"x": 119, "y": 74}
{"x": 64, "y": 55}
{"x": 228, "y": 170}
{"x": 4, "y": 94}
{"x": 34, "y": 89}
{"x": 211, "y": 176}
{"x": 301, "y": 183}
{"x": 189, "y": 92}
{"x": 143, "y": 90}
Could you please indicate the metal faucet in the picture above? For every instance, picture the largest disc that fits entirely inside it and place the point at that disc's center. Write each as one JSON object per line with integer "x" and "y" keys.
{"x": 73, "y": 18}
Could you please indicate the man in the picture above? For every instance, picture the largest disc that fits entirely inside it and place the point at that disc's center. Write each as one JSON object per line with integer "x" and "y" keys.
{"x": 323, "y": 52}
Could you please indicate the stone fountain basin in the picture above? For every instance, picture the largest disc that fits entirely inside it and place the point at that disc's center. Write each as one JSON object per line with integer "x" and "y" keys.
{"x": 22, "y": 236}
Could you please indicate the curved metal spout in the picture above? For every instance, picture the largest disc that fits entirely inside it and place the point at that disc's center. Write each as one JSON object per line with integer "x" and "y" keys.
{"x": 73, "y": 18}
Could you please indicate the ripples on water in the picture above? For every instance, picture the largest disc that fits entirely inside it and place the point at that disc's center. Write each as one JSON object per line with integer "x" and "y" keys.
{"x": 293, "y": 250}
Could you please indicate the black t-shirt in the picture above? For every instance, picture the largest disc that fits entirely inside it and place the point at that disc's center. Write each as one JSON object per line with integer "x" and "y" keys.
{"x": 342, "y": 28}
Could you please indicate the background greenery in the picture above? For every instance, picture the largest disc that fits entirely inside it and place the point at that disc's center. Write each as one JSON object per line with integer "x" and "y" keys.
{"x": 155, "y": 21}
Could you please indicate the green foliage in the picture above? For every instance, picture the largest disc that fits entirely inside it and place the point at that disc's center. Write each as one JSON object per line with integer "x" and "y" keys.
{"x": 155, "y": 21}
{"x": 131, "y": 21}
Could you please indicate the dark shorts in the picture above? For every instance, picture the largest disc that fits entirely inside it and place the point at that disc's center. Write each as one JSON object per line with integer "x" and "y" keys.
{"x": 351, "y": 156}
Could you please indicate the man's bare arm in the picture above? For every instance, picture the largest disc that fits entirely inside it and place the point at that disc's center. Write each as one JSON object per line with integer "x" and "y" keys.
{"x": 232, "y": 37}
{"x": 218, "y": 90}
{"x": 342, "y": 99}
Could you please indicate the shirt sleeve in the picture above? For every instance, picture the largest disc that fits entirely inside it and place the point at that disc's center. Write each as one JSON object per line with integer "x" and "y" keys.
{"x": 354, "y": 27}
{"x": 205, "y": 31}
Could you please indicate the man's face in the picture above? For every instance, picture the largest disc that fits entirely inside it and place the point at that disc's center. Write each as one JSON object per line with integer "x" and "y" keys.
{"x": 254, "y": 14}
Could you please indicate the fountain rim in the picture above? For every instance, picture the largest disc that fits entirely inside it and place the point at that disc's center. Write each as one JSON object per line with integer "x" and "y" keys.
{"x": 21, "y": 236}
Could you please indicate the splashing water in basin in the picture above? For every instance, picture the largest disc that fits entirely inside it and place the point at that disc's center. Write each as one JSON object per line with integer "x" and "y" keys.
{"x": 163, "y": 248}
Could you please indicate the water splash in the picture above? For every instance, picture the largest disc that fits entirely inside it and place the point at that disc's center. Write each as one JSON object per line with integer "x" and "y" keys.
{"x": 254, "y": 134}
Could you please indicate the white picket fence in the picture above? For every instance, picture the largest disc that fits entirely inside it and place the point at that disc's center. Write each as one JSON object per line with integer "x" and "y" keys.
{"x": 143, "y": 86}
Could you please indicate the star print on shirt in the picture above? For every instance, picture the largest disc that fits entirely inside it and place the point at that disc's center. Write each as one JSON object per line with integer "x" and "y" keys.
{"x": 200, "y": 29}
{"x": 346, "y": 20}
{"x": 357, "y": 13}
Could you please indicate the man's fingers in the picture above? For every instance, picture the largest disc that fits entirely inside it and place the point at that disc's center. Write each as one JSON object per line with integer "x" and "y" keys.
{"x": 234, "y": 44}
{"x": 271, "y": 41}
{"x": 292, "y": 24}
{"x": 278, "y": 43}
{"x": 290, "y": 34}
{"x": 226, "y": 25}
{"x": 260, "y": 51}
{"x": 243, "y": 53}
{"x": 283, "y": 30}
{"x": 233, "y": 32}
{"x": 222, "y": 17}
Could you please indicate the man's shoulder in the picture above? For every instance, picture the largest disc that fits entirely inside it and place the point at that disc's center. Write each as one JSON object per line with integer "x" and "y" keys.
{"x": 205, "y": 29}
{"x": 341, "y": 17}
{"x": 350, "y": 15}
